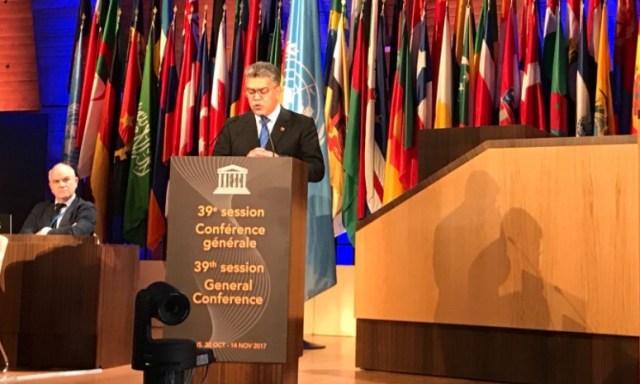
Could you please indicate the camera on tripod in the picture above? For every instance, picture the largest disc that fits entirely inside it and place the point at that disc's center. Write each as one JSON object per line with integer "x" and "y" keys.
{"x": 164, "y": 361}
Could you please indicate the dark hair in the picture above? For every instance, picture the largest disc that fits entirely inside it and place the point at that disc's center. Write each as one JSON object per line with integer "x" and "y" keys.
{"x": 263, "y": 69}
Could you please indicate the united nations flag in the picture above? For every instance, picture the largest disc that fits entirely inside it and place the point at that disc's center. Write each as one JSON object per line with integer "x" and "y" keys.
{"x": 303, "y": 93}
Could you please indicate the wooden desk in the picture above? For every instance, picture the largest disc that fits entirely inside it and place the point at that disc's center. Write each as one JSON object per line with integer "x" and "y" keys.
{"x": 67, "y": 302}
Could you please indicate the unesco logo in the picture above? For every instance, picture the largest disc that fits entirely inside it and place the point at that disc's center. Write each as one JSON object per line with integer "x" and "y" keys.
{"x": 232, "y": 180}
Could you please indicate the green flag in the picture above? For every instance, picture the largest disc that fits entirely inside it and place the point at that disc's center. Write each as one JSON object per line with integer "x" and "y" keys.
{"x": 275, "y": 45}
{"x": 352, "y": 205}
{"x": 558, "y": 105}
{"x": 466, "y": 80}
{"x": 139, "y": 184}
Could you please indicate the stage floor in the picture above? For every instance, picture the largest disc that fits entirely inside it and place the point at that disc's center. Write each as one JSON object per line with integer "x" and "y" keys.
{"x": 333, "y": 365}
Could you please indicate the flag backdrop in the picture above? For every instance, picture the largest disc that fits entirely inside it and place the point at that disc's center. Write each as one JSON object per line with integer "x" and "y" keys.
{"x": 108, "y": 124}
{"x": 585, "y": 83}
{"x": 219, "y": 81}
{"x": 467, "y": 73}
{"x": 510, "y": 76}
{"x": 156, "y": 225}
{"x": 443, "y": 111}
{"x": 304, "y": 93}
{"x": 70, "y": 151}
{"x": 558, "y": 101}
{"x": 401, "y": 143}
{"x": 378, "y": 128}
{"x": 96, "y": 102}
{"x": 335, "y": 111}
{"x": 139, "y": 184}
{"x": 603, "y": 115}
{"x": 424, "y": 79}
{"x": 350, "y": 209}
{"x": 531, "y": 102}
{"x": 93, "y": 46}
{"x": 373, "y": 155}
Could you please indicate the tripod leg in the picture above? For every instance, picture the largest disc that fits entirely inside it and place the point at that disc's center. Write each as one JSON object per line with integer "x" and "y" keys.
{"x": 173, "y": 377}
{"x": 4, "y": 358}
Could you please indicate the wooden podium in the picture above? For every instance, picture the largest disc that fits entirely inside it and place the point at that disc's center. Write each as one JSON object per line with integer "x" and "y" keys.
{"x": 67, "y": 302}
{"x": 236, "y": 248}
{"x": 518, "y": 262}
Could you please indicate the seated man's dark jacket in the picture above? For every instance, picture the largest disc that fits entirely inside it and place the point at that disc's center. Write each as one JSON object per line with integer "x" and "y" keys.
{"x": 293, "y": 135}
{"x": 78, "y": 219}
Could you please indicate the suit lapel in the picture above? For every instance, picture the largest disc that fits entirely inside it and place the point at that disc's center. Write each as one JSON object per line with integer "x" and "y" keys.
{"x": 280, "y": 127}
{"x": 249, "y": 130}
{"x": 66, "y": 218}
{"x": 48, "y": 214}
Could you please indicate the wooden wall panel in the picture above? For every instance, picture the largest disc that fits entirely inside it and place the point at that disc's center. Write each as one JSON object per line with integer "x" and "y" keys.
{"x": 540, "y": 237}
{"x": 18, "y": 74}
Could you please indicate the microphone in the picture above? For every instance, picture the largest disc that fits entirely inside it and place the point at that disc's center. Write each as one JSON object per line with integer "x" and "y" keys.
{"x": 273, "y": 147}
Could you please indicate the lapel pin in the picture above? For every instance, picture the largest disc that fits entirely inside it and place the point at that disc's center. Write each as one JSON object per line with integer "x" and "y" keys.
{"x": 281, "y": 129}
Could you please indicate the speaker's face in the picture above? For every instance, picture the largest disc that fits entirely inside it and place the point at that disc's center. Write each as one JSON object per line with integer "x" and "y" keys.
{"x": 263, "y": 94}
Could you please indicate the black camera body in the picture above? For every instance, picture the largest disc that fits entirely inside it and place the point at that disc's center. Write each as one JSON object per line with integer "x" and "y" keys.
{"x": 163, "y": 361}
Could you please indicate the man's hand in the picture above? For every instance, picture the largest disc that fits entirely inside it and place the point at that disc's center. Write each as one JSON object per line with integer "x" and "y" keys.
{"x": 43, "y": 231}
{"x": 261, "y": 152}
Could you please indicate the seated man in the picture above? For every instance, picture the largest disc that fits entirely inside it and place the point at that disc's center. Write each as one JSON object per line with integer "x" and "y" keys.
{"x": 68, "y": 214}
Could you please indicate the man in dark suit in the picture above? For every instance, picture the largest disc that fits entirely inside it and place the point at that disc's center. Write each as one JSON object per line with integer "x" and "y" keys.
{"x": 270, "y": 130}
{"x": 68, "y": 214}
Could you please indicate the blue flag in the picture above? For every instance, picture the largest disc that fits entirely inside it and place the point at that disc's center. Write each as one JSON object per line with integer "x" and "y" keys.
{"x": 303, "y": 92}
{"x": 70, "y": 152}
{"x": 166, "y": 17}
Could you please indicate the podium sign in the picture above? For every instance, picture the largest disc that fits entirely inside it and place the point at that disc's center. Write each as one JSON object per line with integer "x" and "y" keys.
{"x": 232, "y": 229}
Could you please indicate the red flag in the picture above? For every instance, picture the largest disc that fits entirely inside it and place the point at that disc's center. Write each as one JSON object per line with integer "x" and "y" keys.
{"x": 236, "y": 94}
{"x": 523, "y": 41}
{"x": 204, "y": 95}
{"x": 168, "y": 92}
{"x": 624, "y": 62}
{"x": 250, "y": 48}
{"x": 413, "y": 27}
{"x": 93, "y": 46}
{"x": 133, "y": 78}
{"x": 532, "y": 103}
{"x": 101, "y": 74}
{"x": 184, "y": 120}
{"x": 218, "y": 112}
{"x": 486, "y": 78}
{"x": 401, "y": 160}
{"x": 510, "y": 78}
{"x": 441, "y": 8}
{"x": 593, "y": 26}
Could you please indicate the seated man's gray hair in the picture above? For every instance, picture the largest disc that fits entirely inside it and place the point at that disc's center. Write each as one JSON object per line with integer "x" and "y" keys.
{"x": 263, "y": 69}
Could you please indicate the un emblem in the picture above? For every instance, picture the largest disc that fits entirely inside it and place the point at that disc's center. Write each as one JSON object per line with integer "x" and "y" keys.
{"x": 300, "y": 87}
{"x": 301, "y": 91}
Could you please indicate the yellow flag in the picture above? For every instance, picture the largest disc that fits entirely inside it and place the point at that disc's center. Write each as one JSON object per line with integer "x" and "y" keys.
{"x": 603, "y": 118}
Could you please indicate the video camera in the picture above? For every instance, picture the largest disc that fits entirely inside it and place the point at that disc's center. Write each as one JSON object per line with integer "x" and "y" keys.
{"x": 164, "y": 361}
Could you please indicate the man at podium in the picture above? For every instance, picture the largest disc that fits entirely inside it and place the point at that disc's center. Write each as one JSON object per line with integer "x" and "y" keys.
{"x": 270, "y": 130}
{"x": 68, "y": 214}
